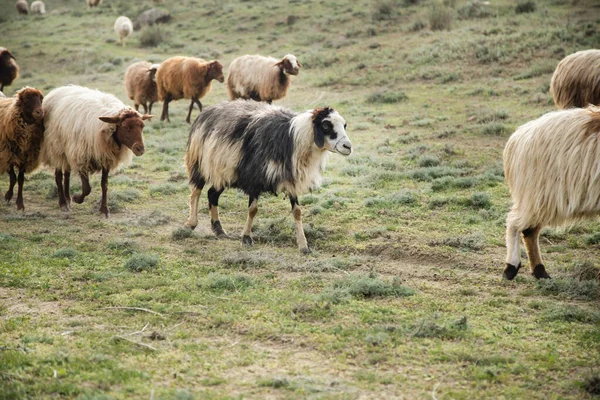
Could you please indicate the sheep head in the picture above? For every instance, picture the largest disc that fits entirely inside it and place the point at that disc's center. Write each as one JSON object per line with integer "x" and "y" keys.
{"x": 6, "y": 55}
{"x": 29, "y": 101}
{"x": 130, "y": 126}
{"x": 215, "y": 71}
{"x": 289, "y": 64}
{"x": 330, "y": 131}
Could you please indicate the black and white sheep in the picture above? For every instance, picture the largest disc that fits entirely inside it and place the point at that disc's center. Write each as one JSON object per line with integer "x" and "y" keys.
{"x": 261, "y": 78}
{"x": 260, "y": 148}
{"x": 552, "y": 167}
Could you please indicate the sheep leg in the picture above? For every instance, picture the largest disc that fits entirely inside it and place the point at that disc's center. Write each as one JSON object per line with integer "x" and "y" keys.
{"x": 190, "y": 111}
{"x": 137, "y": 106}
{"x": 85, "y": 188}
{"x": 252, "y": 210}
{"x": 300, "y": 238}
{"x": 58, "y": 178}
{"x": 145, "y": 108}
{"x": 213, "y": 206}
{"x": 513, "y": 248}
{"x": 150, "y": 107}
{"x": 20, "y": 181}
{"x": 165, "y": 110}
{"x": 13, "y": 179}
{"x": 531, "y": 237}
{"x": 104, "y": 185}
{"x": 198, "y": 103}
{"x": 67, "y": 187}
{"x": 192, "y": 220}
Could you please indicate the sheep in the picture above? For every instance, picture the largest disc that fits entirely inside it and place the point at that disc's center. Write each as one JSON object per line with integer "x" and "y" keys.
{"x": 88, "y": 131}
{"x": 552, "y": 167}
{"x": 38, "y": 7}
{"x": 186, "y": 78}
{"x": 22, "y": 7}
{"x": 93, "y": 3}
{"x": 261, "y": 78}
{"x": 9, "y": 69}
{"x": 576, "y": 80}
{"x": 140, "y": 82}
{"x": 260, "y": 148}
{"x": 21, "y": 136}
{"x": 123, "y": 28}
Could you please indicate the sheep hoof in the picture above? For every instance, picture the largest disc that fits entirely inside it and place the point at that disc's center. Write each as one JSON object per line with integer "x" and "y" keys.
{"x": 8, "y": 196}
{"x": 511, "y": 271}
{"x": 217, "y": 228}
{"x": 20, "y": 207}
{"x": 191, "y": 226}
{"x": 305, "y": 250}
{"x": 64, "y": 207}
{"x": 540, "y": 272}
{"x": 105, "y": 211}
{"x": 247, "y": 240}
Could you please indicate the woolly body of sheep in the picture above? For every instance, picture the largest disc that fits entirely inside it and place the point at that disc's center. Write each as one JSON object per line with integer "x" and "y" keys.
{"x": 21, "y": 137}
{"x": 123, "y": 28}
{"x": 88, "y": 131}
{"x": 38, "y": 7}
{"x": 93, "y": 3}
{"x": 22, "y": 7}
{"x": 552, "y": 167}
{"x": 140, "y": 82}
{"x": 576, "y": 80}
{"x": 259, "y": 148}
{"x": 261, "y": 78}
{"x": 186, "y": 78}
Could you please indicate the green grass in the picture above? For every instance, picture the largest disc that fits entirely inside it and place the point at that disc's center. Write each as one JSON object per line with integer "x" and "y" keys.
{"x": 407, "y": 233}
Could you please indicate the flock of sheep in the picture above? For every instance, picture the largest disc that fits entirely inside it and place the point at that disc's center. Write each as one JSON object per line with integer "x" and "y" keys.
{"x": 551, "y": 164}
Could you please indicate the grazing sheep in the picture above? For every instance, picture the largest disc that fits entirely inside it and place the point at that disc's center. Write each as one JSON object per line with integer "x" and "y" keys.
{"x": 38, "y": 7}
{"x": 9, "y": 70}
{"x": 186, "y": 78}
{"x": 123, "y": 28}
{"x": 140, "y": 82}
{"x": 260, "y": 148}
{"x": 576, "y": 81}
{"x": 261, "y": 78}
{"x": 93, "y": 3}
{"x": 21, "y": 136}
{"x": 552, "y": 167}
{"x": 88, "y": 131}
{"x": 22, "y": 7}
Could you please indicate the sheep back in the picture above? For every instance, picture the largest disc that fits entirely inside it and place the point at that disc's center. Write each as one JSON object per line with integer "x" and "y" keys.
{"x": 576, "y": 80}
{"x": 552, "y": 167}
{"x": 139, "y": 82}
{"x": 256, "y": 77}
{"x": 75, "y": 137}
{"x": 183, "y": 78}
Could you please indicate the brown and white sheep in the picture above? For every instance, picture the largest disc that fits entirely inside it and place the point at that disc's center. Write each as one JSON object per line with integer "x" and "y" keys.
{"x": 21, "y": 136}
{"x": 123, "y": 28}
{"x": 261, "y": 78}
{"x": 576, "y": 80}
{"x": 38, "y": 7}
{"x": 9, "y": 69}
{"x": 22, "y": 7}
{"x": 140, "y": 82}
{"x": 88, "y": 131}
{"x": 93, "y": 3}
{"x": 552, "y": 167}
{"x": 186, "y": 78}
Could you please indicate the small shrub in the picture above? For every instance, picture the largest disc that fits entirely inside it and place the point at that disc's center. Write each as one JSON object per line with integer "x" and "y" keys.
{"x": 432, "y": 329}
{"x": 142, "y": 262}
{"x": 475, "y": 242}
{"x": 475, "y": 9}
{"x": 585, "y": 271}
{"x": 523, "y": 7}
{"x": 155, "y": 218}
{"x": 440, "y": 17}
{"x": 122, "y": 246}
{"x": 571, "y": 314}
{"x": 569, "y": 288}
{"x": 387, "y": 97}
{"x": 152, "y": 36}
{"x": 362, "y": 286}
{"x": 218, "y": 282}
{"x": 276, "y": 383}
{"x": 245, "y": 260}
{"x": 428, "y": 160}
{"x": 384, "y": 10}
{"x": 417, "y": 25}
{"x": 592, "y": 385}
{"x": 494, "y": 128}
{"x": 181, "y": 234}
{"x": 67, "y": 252}
{"x": 479, "y": 200}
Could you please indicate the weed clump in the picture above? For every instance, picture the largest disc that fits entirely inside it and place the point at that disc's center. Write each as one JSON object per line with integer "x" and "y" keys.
{"x": 494, "y": 128}
{"x": 142, "y": 262}
{"x": 152, "y": 36}
{"x": 228, "y": 283}
{"x": 592, "y": 385}
{"x": 523, "y": 7}
{"x": 384, "y": 10}
{"x": 475, "y": 9}
{"x": 432, "y": 329}
{"x": 479, "y": 200}
{"x": 475, "y": 242}
{"x": 181, "y": 234}
{"x": 246, "y": 260}
{"x": 571, "y": 314}
{"x": 365, "y": 287}
{"x": 122, "y": 246}
{"x": 585, "y": 271}
{"x": 387, "y": 97}
{"x": 440, "y": 17}
{"x": 570, "y": 288}
{"x": 67, "y": 252}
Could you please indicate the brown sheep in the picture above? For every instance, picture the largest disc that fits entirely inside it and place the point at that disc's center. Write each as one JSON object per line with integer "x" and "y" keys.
{"x": 140, "y": 82}
{"x": 9, "y": 70}
{"x": 93, "y": 3}
{"x": 22, "y": 7}
{"x": 576, "y": 81}
{"x": 186, "y": 78}
{"x": 21, "y": 136}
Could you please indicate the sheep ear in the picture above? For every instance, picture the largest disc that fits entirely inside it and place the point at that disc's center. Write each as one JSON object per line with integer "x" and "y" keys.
{"x": 319, "y": 135}
{"x": 110, "y": 120}
{"x": 147, "y": 116}
{"x": 11, "y": 56}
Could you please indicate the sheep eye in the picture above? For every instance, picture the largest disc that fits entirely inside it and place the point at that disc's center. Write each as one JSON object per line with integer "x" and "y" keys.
{"x": 345, "y": 126}
{"x": 327, "y": 125}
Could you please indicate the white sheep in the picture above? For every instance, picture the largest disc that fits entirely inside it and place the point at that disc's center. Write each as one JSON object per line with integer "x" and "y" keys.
{"x": 123, "y": 28}
{"x": 552, "y": 167}
{"x": 88, "y": 131}
{"x": 261, "y": 78}
{"x": 38, "y": 7}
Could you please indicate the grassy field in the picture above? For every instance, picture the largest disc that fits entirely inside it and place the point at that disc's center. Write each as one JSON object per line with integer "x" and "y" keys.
{"x": 402, "y": 296}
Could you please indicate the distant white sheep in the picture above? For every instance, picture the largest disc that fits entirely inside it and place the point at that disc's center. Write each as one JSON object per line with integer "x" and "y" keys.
{"x": 261, "y": 78}
{"x": 552, "y": 167}
{"x": 38, "y": 7}
{"x": 123, "y": 28}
